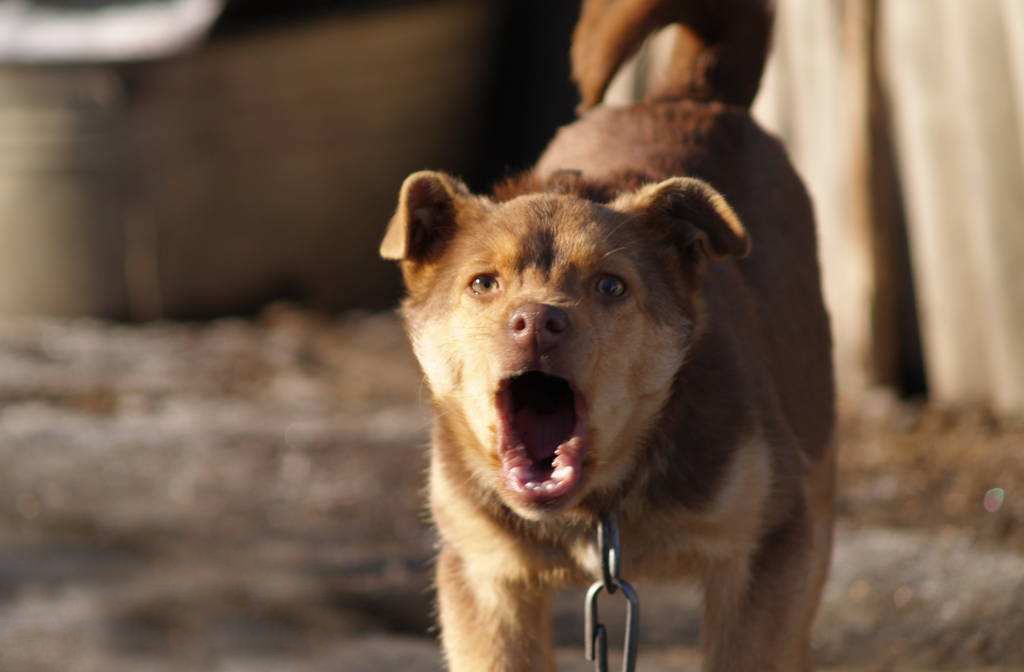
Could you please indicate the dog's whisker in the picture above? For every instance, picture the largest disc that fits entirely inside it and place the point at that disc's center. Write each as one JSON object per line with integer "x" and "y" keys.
{"x": 617, "y": 250}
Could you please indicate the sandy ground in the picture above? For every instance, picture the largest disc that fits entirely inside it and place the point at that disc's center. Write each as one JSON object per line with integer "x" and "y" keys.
{"x": 246, "y": 496}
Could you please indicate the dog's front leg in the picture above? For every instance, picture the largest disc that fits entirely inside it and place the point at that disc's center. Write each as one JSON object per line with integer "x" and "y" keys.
{"x": 491, "y": 624}
{"x": 759, "y": 610}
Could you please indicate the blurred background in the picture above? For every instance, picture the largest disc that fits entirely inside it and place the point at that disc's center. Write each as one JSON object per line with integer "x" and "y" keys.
{"x": 212, "y": 433}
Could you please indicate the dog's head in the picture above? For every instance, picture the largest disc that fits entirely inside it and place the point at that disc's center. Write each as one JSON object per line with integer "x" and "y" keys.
{"x": 551, "y": 326}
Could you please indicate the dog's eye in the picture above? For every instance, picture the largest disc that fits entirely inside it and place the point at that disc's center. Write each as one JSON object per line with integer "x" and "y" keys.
{"x": 484, "y": 284}
{"x": 610, "y": 285}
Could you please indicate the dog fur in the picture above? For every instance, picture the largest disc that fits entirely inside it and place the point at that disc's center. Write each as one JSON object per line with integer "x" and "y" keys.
{"x": 703, "y": 392}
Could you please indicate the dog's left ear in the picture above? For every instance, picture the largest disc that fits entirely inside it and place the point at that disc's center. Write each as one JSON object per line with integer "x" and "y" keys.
{"x": 429, "y": 205}
{"x": 696, "y": 216}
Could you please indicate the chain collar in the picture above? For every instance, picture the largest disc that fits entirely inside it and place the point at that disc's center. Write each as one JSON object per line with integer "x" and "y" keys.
{"x": 595, "y": 635}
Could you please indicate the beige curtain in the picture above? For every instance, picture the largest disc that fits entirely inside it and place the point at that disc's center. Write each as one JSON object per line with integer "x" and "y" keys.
{"x": 955, "y": 73}
{"x": 906, "y": 120}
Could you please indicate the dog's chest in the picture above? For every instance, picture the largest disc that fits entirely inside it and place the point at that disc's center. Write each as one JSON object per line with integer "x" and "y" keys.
{"x": 640, "y": 559}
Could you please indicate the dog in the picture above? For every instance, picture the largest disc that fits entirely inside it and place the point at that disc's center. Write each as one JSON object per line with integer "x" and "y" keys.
{"x": 635, "y": 327}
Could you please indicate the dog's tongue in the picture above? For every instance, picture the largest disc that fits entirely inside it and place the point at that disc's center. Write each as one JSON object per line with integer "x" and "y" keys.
{"x": 543, "y": 432}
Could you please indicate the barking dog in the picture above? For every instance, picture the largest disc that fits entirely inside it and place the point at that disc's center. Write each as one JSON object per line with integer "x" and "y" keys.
{"x": 635, "y": 326}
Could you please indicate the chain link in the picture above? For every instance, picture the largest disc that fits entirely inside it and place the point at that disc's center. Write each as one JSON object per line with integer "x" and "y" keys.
{"x": 595, "y": 634}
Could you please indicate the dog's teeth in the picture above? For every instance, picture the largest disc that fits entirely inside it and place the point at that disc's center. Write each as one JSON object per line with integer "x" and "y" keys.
{"x": 562, "y": 473}
{"x": 520, "y": 473}
{"x": 550, "y": 486}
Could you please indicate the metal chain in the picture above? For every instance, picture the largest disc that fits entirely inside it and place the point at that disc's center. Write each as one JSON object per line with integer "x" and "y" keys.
{"x": 595, "y": 635}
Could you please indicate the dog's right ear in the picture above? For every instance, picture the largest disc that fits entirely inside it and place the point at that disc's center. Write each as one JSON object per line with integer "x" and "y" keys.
{"x": 425, "y": 220}
{"x": 692, "y": 215}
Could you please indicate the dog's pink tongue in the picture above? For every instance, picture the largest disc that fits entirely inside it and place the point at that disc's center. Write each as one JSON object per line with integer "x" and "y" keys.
{"x": 543, "y": 432}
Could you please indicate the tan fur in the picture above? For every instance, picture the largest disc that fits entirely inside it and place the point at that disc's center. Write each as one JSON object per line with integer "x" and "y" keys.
{"x": 707, "y": 385}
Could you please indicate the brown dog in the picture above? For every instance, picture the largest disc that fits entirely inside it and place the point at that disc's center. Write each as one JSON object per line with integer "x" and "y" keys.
{"x": 597, "y": 339}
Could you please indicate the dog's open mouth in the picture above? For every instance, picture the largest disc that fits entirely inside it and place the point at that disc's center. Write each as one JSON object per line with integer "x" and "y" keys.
{"x": 541, "y": 443}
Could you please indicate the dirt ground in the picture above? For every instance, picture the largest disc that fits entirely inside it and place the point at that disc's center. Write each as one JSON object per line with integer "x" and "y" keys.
{"x": 245, "y": 496}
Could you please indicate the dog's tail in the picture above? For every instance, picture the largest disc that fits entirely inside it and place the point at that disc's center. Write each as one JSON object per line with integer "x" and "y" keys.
{"x": 719, "y": 52}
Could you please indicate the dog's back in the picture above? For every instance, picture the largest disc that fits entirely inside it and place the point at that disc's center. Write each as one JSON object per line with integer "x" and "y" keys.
{"x": 696, "y": 122}
{"x": 768, "y": 346}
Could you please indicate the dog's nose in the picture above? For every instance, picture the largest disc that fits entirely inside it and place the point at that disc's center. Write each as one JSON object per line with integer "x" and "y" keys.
{"x": 538, "y": 323}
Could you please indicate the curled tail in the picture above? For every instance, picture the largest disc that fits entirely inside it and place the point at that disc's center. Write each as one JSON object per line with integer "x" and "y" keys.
{"x": 719, "y": 53}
